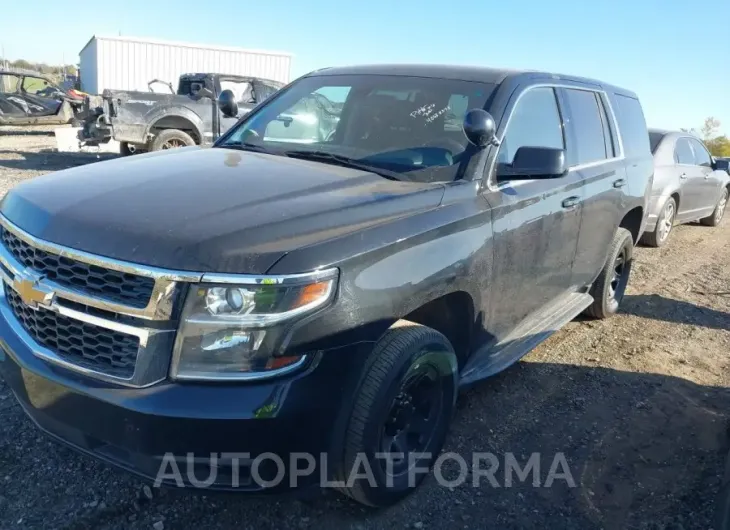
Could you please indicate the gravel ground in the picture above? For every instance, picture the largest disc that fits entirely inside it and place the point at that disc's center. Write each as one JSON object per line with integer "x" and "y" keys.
{"x": 638, "y": 405}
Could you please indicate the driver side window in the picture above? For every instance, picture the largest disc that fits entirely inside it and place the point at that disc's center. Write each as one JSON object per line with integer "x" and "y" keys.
{"x": 535, "y": 122}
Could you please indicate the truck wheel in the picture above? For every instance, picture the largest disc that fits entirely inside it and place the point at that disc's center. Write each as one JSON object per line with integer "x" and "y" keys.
{"x": 719, "y": 213}
{"x": 664, "y": 225}
{"x": 609, "y": 288}
{"x": 170, "y": 139}
{"x": 403, "y": 407}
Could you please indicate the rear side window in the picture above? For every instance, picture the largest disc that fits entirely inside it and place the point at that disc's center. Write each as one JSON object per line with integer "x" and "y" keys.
{"x": 632, "y": 126}
{"x": 683, "y": 152}
{"x": 702, "y": 157}
{"x": 655, "y": 139}
{"x": 589, "y": 125}
{"x": 535, "y": 122}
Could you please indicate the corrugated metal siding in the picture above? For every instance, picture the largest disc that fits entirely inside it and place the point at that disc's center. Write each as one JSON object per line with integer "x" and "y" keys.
{"x": 88, "y": 67}
{"x": 128, "y": 64}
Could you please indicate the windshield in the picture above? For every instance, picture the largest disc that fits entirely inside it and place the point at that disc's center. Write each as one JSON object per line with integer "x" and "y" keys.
{"x": 409, "y": 126}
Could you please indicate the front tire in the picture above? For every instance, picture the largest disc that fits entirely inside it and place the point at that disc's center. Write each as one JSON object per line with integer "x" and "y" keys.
{"x": 171, "y": 139}
{"x": 664, "y": 225}
{"x": 717, "y": 215}
{"x": 609, "y": 288}
{"x": 404, "y": 403}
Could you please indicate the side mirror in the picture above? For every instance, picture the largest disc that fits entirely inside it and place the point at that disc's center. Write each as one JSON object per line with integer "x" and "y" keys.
{"x": 227, "y": 104}
{"x": 534, "y": 163}
{"x": 479, "y": 127}
{"x": 723, "y": 165}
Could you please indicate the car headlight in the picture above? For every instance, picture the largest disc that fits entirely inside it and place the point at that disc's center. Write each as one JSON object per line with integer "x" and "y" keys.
{"x": 230, "y": 331}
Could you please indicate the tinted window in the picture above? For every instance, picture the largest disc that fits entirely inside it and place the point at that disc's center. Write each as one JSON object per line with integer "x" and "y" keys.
{"x": 702, "y": 157}
{"x": 655, "y": 139}
{"x": 610, "y": 146}
{"x": 535, "y": 122}
{"x": 683, "y": 152}
{"x": 632, "y": 126}
{"x": 586, "y": 121}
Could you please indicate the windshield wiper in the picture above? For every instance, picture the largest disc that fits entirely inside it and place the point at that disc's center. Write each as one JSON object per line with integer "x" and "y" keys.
{"x": 344, "y": 161}
{"x": 245, "y": 146}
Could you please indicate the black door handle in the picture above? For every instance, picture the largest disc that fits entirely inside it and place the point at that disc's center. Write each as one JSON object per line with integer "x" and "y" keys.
{"x": 620, "y": 183}
{"x": 570, "y": 202}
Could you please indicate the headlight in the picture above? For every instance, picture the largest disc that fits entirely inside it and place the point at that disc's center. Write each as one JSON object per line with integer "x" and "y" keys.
{"x": 230, "y": 331}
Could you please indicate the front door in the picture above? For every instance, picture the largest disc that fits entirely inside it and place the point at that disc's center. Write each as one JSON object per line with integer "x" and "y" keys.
{"x": 536, "y": 223}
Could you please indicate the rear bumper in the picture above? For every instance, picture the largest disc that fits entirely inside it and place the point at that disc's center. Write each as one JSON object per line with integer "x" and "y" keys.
{"x": 183, "y": 434}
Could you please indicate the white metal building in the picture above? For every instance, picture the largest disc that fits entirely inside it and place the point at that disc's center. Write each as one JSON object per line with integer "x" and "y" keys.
{"x": 127, "y": 63}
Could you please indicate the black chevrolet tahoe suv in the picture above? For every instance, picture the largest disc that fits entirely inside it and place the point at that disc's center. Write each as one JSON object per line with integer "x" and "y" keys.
{"x": 324, "y": 279}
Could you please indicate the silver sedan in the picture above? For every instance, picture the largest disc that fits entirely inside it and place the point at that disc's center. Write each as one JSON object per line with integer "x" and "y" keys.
{"x": 689, "y": 185}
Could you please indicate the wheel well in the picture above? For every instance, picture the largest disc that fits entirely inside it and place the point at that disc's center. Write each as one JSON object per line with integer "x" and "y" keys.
{"x": 176, "y": 122}
{"x": 675, "y": 196}
{"x": 632, "y": 222}
{"x": 452, "y": 315}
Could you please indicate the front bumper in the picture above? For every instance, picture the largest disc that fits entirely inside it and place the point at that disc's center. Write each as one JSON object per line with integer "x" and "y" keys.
{"x": 143, "y": 429}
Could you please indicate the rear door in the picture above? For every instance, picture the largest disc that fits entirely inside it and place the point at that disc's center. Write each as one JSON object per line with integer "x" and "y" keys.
{"x": 709, "y": 185}
{"x": 691, "y": 180}
{"x": 595, "y": 159}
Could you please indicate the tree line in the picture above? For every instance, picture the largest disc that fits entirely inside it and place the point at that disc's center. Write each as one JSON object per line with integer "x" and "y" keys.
{"x": 43, "y": 68}
{"x": 718, "y": 144}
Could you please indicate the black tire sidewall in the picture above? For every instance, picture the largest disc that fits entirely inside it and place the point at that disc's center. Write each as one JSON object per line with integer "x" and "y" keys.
{"x": 382, "y": 495}
{"x": 611, "y": 306}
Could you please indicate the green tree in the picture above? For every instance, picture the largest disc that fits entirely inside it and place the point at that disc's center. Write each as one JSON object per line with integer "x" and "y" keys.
{"x": 710, "y": 128}
{"x": 719, "y": 146}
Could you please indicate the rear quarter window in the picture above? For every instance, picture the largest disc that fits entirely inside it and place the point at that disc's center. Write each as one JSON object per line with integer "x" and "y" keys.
{"x": 632, "y": 126}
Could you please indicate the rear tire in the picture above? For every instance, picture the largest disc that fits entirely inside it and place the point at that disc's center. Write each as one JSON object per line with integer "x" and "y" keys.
{"x": 171, "y": 139}
{"x": 719, "y": 212}
{"x": 403, "y": 404}
{"x": 664, "y": 225}
{"x": 609, "y": 288}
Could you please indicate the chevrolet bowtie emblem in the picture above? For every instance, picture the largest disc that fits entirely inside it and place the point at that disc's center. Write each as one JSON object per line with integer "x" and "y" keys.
{"x": 31, "y": 293}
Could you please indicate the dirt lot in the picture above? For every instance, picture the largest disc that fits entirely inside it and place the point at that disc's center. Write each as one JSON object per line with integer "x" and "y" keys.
{"x": 638, "y": 404}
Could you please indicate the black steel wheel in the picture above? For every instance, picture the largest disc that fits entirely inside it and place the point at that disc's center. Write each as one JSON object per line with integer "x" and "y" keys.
{"x": 402, "y": 410}
{"x": 609, "y": 288}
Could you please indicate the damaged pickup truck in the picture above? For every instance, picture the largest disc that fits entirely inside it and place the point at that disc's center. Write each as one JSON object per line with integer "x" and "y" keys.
{"x": 151, "y": 121}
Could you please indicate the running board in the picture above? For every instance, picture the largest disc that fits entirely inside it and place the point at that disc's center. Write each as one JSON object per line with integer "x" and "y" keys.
{"x": 493, "y": 358}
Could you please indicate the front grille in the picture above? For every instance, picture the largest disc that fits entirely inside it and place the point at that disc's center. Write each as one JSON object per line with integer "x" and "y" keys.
{"x": 111, "y": 285}
{"x": 80, "y": 343}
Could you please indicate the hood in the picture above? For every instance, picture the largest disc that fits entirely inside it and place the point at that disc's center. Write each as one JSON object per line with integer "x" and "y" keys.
{"x": 208, "y": 210}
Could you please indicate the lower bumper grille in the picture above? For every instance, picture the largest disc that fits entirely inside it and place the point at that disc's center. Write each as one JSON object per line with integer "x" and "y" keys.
{"x": 86, "y": 345}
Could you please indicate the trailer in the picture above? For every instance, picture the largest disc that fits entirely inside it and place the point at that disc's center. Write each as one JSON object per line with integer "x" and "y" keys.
{"x": 128, "y": 63}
